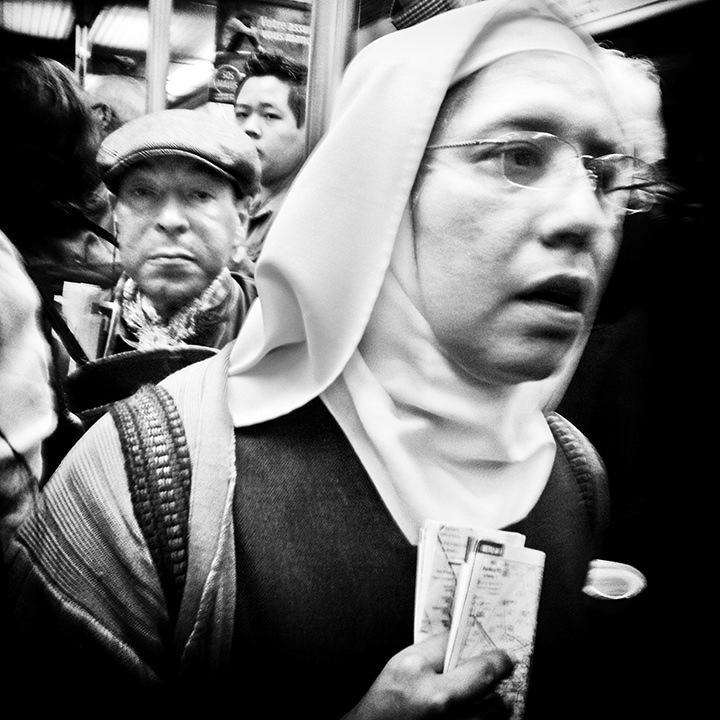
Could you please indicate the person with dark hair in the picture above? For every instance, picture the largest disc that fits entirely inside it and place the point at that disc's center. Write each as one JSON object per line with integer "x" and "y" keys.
{"x": 249, "y": 530}
{"x": 54, "y": 207}
{"x": 270, "y": 108}
{"x": 56, "y": 210}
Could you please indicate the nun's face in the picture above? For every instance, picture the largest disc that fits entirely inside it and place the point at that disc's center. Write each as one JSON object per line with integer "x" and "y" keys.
{"x": 509, "y": 275}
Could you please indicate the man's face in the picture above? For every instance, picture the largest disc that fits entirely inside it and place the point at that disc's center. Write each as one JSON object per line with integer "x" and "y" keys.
{"x": 178, "y": 226}
{"x": 510, "y": 276}
{"x": 262, "y": 110}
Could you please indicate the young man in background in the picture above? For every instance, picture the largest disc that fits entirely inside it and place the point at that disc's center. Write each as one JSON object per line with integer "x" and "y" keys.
{"x": 270, "y": 108}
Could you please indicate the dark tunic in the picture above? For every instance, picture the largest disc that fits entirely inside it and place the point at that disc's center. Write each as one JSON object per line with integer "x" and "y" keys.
{"x": 326, "y": 578}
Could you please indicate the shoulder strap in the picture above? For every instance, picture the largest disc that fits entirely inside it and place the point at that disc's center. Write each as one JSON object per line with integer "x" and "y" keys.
{"x": 157, "y": 465}
{"x": 58, "y": 324}
{"x": 586, "y": 466}
{"x": 205, "y": 627}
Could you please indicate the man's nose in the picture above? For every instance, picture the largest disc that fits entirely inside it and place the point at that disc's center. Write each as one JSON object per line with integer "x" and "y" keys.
{"x": 251, "y": 126}
{"x": 171, "y": 216}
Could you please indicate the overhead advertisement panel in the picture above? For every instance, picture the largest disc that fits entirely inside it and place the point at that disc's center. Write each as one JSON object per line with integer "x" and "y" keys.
{"x": 278, "y": 26}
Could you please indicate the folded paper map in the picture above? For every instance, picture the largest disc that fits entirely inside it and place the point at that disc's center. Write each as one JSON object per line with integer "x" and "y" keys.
{"x": 484, "y": 587}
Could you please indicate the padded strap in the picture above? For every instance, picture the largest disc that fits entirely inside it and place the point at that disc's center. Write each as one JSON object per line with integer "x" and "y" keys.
{"x": 157, "y": 465}
{"x": 587, "y": 468}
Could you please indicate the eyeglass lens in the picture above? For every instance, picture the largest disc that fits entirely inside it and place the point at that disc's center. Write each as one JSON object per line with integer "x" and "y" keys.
{"x": 544, "y": 159}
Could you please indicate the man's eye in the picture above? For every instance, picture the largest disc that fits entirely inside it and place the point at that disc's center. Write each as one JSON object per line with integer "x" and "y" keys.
{"x": 272, "y": 116}
{"x": 142, "y": 192}
{"x": 201, "y": 195}
{"x": 241, "y": 115}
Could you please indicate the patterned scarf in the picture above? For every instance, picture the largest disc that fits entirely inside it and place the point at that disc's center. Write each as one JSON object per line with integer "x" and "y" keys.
{"x": 146, "y": 330}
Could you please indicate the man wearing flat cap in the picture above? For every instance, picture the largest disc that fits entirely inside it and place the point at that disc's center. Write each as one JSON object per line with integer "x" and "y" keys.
{"x": 181, "y": 180}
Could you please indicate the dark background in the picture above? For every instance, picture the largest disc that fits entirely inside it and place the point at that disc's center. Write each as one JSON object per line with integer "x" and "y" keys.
{"x": 644, "y": 390}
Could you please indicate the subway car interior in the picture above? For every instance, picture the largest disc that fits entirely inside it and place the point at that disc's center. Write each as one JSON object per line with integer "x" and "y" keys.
{"x": 178, "y": 50}
{"x": 175, "y": 47}
{"x": 641, "y": 365}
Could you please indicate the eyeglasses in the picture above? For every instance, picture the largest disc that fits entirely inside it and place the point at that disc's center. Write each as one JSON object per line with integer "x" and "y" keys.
{"x": 536, "y": 160}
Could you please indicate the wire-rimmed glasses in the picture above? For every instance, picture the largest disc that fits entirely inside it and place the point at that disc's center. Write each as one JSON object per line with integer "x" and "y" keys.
{"x": 537, "y": 159}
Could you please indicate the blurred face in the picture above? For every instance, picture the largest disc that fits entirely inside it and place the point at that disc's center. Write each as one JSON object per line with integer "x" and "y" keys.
{"x": 178, "y": 226}
{"x": 510, "y": 276}
{"x": 263, "y": 112}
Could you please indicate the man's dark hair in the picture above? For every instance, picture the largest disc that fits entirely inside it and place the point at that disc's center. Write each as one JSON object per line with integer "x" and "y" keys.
{"x": 286, "y": 70}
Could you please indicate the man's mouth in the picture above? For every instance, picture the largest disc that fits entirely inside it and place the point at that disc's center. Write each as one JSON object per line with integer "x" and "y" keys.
{"x": 171, "y": 255}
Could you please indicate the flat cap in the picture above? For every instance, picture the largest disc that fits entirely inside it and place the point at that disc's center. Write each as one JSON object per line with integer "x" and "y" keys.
{"x": 217, "y": 143}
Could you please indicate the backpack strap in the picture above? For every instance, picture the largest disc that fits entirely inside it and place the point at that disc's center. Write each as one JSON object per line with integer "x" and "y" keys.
{"x": 157, "y": 465}
{"x": 205, "y": 627}
{"x": 586, "y": 466}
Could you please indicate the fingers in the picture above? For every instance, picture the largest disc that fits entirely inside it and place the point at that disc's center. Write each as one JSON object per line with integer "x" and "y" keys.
{"x": 483, "y": 673}
{"x": 476, "y": 677}
{"x": 412, "y": 686}
{"x": 471, "y": 688}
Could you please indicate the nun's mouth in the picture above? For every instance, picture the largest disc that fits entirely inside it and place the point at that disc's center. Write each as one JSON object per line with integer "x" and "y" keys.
{"x": 566, "y": 292}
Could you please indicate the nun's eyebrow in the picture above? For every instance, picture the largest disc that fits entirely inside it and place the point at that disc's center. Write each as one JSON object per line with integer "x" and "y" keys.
{"x": 588, "y": 139}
